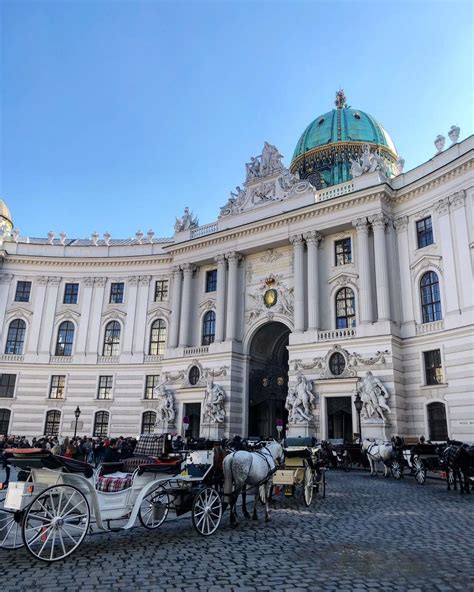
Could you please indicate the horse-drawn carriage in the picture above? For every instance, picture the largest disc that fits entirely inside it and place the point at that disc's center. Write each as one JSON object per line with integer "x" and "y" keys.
{"x": 62, "y": 500}
{"x": 303, "y": 469}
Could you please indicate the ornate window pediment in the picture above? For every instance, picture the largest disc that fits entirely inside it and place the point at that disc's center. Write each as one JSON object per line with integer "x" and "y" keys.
{"x": 158, "y": 311}
{"x": 18, "y": 313}
{"x": 344, "y": 279}
{"x": 114, "y": 315}
{"x": 208, "y": 304}
{"x": 68, "y": 314}
{"x": 427, "y": 262}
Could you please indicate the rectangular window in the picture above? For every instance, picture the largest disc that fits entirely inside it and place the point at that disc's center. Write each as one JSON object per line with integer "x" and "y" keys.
{"x": 433, "y": 369}
{"x": 116, "y": 293}
{"x": 56, "y": 390}
{"x": 23, "y": 291}
{"x": 105, "y": 387}
{"x": 7, "y": 385}
{"x": 152, "y": 381}
{"x": 424, "y": 232}
{"x": 211, "y": 280}
{"x": 161, "y": 290}
{"x": 343, "y": 251}
{"x": 71, "y": 292}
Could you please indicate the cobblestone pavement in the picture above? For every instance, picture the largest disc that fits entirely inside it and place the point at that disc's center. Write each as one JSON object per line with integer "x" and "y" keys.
{"x": 368, "y": 534}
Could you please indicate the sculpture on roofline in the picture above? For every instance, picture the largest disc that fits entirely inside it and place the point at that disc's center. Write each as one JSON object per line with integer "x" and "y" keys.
{"x": 374, "y": 397}
{"x": 454, "y": 134}
{"x": 439, "y": 143}
{"x": 300, "y": 401}
{"x": 214, "y": 409}
{"x": 186, "y": 221}
{"x": 369, "y": 162}
{"x": 165, "y": 412}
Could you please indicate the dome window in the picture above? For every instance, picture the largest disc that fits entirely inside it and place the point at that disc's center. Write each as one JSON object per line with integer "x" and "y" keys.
{"x": 357, "y": 115}
{"x": 321, "y": 121}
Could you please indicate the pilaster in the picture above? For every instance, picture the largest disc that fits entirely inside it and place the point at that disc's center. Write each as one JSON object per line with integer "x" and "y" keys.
{"x": 379, "y": 222}
{"x": 176, "y": 289}
{"x": 232, "y": 290}
{"x": 299, "y": 315}
{"x": 365, "y": 293}
{"x": 220, "y": 297}
{"x": 313, "y": 239}
{"x": 188, "y": 270}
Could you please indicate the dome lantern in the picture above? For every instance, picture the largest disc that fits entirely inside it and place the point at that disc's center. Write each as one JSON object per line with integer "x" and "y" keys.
{"x": 325, "y": 149}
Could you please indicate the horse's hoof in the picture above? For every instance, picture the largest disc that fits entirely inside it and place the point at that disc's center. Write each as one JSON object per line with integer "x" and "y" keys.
{"x": 247, "y": 515}
{"x": 267, "y": 519}
{"x": 255, "y": 518}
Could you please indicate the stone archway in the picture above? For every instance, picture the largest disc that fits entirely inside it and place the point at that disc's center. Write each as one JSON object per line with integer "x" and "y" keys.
{"x": 268, "y": 379}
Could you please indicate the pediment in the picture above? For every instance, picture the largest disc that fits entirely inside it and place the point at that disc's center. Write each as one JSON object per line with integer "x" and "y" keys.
{"x": 114, "y": 314}
{"x": 19, "y": 312}
{"x": 342, "y": 279}
{"x": 68, "y": 313}
{"x": 158, "y": 311}
{"x": 428, "y": 261}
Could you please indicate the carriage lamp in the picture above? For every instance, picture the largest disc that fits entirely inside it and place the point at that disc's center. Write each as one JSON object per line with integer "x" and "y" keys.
{"x": 358, "y": 405}
{"x": 77, "y": 414}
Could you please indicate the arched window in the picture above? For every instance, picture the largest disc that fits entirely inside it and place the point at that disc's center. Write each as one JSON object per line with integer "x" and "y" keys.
{"x": 65, "y": 339}
{"x": 430, "y": 297}
{"x": 101, "y": 424}
{"x": 345, "y": 309}
{"x": 437, "y": 424}
{"x": 16, "y": 337}
{"x": 52, "y": 423}
{"x": 148, "y": 422}
{"x": 209, "y": 328}
{"x": 157, "y": 337}
{"x": 112, "y": 339}
{"x": 5, "y": 415}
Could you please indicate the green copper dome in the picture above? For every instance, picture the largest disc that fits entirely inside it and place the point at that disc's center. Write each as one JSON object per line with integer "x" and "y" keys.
{"x": 327, "y": 145}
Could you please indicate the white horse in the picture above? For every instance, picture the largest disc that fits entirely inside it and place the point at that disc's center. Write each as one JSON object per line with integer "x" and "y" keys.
{"x": 242, "y": 468}
{"x": 377, "y": 451}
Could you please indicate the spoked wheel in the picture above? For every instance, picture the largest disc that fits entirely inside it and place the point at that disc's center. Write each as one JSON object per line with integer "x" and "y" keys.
{"x": 320, "y": 483}
{"x": 347, "y": 462}
{"x": 207, "y": 511}
{"x": 396, "y": 469}
{"x": 450, "y": 477}
{"x": 308, "y": 486}
{"x": 56, "y": 522}
{"x": 10, "y": 529}
{"x": 420, "y": 471}
{"x": 154, "y": 508}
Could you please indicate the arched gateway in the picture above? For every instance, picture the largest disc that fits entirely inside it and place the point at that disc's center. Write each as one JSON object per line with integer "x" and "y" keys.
{"x": 268, "y": 379}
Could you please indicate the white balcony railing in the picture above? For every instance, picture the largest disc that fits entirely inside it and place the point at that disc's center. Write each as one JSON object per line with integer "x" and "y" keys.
{"x": 11, "y": 358}
{"x": 60, "y": 359}
{"x": 335, "y": 191}
{"x": 204, "y": 230}
{"x": 196, "y": 351}
{"x": 333, "y": 334}
{"x": 108, "y": 359}
{"x": 423, "y": 328}
{"x": 153, "y": 359}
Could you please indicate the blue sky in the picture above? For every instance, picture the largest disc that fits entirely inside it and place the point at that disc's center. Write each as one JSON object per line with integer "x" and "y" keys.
{"x": 116, "y": 115}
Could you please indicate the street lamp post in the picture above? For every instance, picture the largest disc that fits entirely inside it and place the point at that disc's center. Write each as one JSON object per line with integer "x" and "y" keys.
{"x": 77, "y": 414}
{"x": 358, "y": 405}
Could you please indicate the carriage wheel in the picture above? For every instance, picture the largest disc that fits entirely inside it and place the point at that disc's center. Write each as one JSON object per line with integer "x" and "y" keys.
{"x": 10, "y": 529}
{"x": 56, "y": 522}
{"x": 450, "y": 477}
{"x": 207, "y": 511}
{"x": 347, "y": 462}
{"x": 320, "y": 483}
{"x": 420, "y": 471}
{"x": 154, "y": 508}
{"x": 308, "y": 486}
{"x": 396, "y": 469}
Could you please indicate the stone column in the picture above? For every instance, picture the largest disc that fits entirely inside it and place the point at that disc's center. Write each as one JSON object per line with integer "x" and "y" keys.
{"x": 5, "y": 281}
{"x": 220, "y": 297}
{"x": 175, "y": 306}
{"x": 138, "y": 345}
{"x": 50, "y": 312}
{"x": 87, "y": 287}
{"x": 96, "y": 320}
{"x": 365, "y": 293}
{"x": 458, "y": 213}
{"x": 232, "y": 288}
{"x": 379, "y": 222}
{"x": 34, "y": 330}
{"x": 131, "y": 310}
{"x": 298, "y": 282}
{"x": 449, "y": 266}
{"x": 408, "y": 311}
{"x": 312, "y": 240}
{"x": 188, "y": 270}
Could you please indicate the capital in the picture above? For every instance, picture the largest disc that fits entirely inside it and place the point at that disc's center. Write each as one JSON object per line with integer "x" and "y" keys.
{"x": 176, "y": 270}
{"x": 88, "y": 281}
{"x": 313, "y": 237}
{"x": 234, "y": 258}
{"x": 133, "y": 280}
{"x": 100, "y": 281}
{"x": 54, "y": 280}
{"x": 457, "y": 200}
{"x": 220, "y": 259}
{"x": 6, "y": 278}
{"x": 379, "y": 220}
{"x": 401, "y": 224}
{"x": 442, "y": 206}
{"x": 43, "y": 280}
{"x": 188, "y": 268}
{"x": 144, "y": 280}
{"x": 297, "y": 241}
{"x": 361, "y": 225}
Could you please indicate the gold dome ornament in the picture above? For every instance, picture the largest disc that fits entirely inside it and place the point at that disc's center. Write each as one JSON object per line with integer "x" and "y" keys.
{"x": 270, "y": 297}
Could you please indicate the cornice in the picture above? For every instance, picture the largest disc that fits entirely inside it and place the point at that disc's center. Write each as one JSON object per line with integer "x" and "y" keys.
{"x": 85, "y": 262}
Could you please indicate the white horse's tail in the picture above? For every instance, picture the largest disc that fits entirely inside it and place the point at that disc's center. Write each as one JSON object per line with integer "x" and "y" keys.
{"x": 228, "y": 477}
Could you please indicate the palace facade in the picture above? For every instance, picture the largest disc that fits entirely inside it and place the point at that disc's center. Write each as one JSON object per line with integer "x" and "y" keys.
{"x": 342, "y": 264}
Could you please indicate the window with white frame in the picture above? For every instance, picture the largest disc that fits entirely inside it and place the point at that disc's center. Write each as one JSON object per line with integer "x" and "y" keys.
{"x": 157, "y": 337}
{"x": 106, "y": 384}
{"x": 112, "y": 339}
{"x": 101, "y": 424}
{"x": 57, "y": 387}
{"x": 16, "y": 337}
{"x": 433, "y": 367}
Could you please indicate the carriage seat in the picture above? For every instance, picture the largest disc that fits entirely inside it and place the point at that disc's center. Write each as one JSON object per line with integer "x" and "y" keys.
{"x": 35, "y": 458}
{"x": 171, "y": 465}
{"x": 113, "y": 482}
